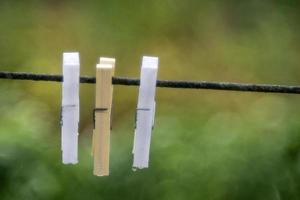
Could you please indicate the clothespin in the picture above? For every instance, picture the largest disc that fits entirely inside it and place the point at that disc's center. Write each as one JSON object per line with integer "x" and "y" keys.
{"x": 70, "y": 108}
{"x": 102, "y": 116}
{"x": 145, "y": 112}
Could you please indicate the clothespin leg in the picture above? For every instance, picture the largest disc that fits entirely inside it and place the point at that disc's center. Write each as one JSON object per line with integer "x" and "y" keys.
{"x": 70, "y": 108}
{"x": 145, "y": 113}
{"x": 101, "y": 135}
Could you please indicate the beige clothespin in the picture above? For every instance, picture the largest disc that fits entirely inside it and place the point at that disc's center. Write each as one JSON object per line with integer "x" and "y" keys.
{"x": 102, "y": 114}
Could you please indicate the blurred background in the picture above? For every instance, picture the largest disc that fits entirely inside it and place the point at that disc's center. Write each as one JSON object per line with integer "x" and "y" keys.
{"x": 206, "y": 144}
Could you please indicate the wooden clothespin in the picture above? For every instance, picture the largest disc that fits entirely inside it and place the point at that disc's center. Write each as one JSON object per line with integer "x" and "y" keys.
{"x": 145, "y": 112}
{"x": 102, "y": 115}
{"x": 70, "y": 108}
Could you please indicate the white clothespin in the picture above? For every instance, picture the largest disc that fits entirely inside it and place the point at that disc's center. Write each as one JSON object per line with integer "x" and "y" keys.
{"x": 70, "y": 108}
{"x": 145, "y": 112}
{"x": 102, "y": 114}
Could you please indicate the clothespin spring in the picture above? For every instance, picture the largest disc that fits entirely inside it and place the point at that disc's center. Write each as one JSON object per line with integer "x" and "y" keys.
{"x": 61, "y": 112}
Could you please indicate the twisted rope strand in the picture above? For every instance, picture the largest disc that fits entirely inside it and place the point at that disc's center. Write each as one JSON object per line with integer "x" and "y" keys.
{"x": 245, "y": 87}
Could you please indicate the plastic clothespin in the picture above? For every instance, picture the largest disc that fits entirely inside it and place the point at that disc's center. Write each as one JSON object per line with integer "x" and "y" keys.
{"x": 70, "y": 108}
{"x": 102, "y": 115}
{"x": 145, "y": 112}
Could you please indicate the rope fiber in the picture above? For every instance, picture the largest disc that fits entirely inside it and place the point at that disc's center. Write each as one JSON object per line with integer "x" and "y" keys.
{"x": 245, "y": 87}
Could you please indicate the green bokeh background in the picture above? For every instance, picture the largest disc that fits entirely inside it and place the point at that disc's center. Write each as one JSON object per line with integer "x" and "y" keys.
{"x": 210, "y": 145}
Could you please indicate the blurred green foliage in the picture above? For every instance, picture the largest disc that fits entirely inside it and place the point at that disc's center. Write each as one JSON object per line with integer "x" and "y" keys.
{"x": 209, "y": 145}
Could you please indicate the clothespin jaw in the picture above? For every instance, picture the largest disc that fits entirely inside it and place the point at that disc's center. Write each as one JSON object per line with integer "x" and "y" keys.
{"x": 70, "y": 108}
{"x": 145, "y": 112}
{"x": 102, "y": 113}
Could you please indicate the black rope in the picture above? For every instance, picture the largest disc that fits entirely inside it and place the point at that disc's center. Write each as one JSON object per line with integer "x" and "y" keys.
{"x": 163, "y": 83}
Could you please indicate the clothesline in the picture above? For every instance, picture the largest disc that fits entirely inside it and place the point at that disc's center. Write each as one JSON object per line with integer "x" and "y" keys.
{"x": 244, "y": 87}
